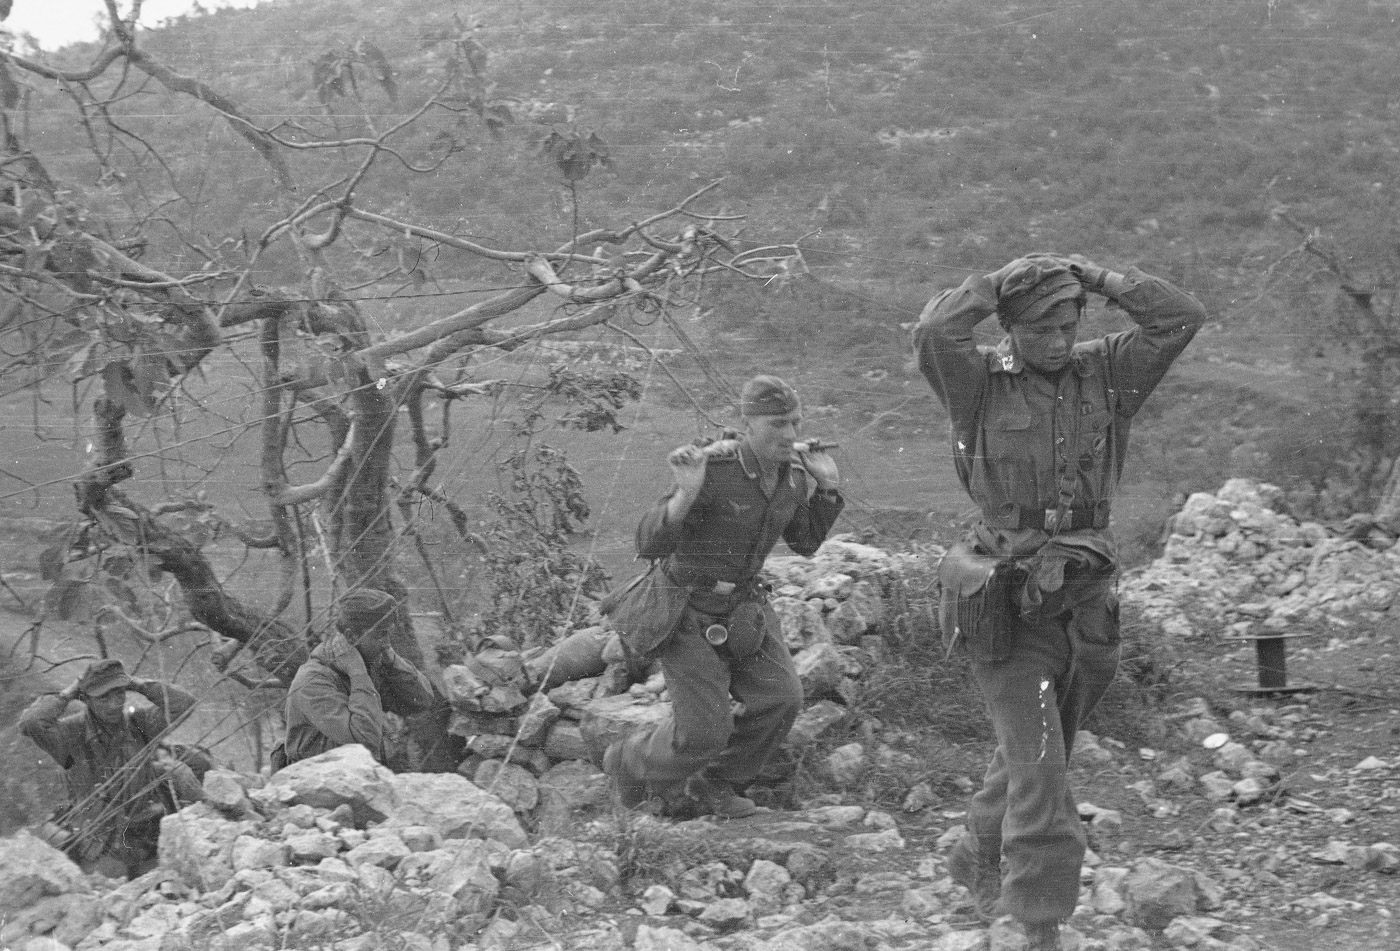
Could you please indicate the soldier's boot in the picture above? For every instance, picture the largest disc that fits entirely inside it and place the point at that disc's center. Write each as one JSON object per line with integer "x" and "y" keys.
{"x": 981, "y": 876}
{"x": 629, "y": 790}
{"x": 1043, "y": 936}
{"x": 718, "y": 798}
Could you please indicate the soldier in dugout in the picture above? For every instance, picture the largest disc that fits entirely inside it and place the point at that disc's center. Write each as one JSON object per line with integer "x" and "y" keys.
{"x": 118, "y": 780}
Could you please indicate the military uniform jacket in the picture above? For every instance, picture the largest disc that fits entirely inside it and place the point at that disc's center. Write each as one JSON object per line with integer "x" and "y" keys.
{"x": 109, "y": 774}
{"x": 733, "y": 524}
{"x": 326, "y": 707}
{"x": 1024, "y": 442}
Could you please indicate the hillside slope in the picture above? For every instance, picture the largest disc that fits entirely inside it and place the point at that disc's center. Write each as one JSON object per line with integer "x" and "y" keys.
{"x": 911, "y": 142}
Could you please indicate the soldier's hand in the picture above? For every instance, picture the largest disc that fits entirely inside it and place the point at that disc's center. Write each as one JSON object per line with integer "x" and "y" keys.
{"x": 1091, "y": 275}
{"x": 352, "y": 664}
{"x": 688, "y": 469}
{"x": 822, "y": 466}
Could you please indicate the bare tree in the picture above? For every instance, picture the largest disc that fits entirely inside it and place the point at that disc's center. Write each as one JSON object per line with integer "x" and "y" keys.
{"x": 81, "y": 298}
{"x": 1375, "y": 329}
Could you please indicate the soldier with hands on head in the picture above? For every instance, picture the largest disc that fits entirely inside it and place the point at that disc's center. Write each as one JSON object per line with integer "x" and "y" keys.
{"x": 118, "y": 782}
{"x": 1040, "y": 431}
{"x": 340, "y": 695}
{"x": 702, "y": 609}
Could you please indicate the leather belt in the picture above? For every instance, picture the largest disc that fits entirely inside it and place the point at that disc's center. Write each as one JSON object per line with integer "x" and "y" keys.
{"x": 1091, "y": 516}
{"x": 709, "y": 585}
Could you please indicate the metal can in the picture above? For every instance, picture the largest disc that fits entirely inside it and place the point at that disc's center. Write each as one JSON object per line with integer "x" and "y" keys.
{"x": 716, "y": 634}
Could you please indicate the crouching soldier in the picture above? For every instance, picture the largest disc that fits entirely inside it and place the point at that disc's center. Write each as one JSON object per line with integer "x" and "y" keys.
{"x": 352, "y": 679}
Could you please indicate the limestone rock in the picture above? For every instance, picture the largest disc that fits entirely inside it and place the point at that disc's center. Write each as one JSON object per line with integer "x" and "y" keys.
{"x": 663, "y": 939}
{"x": 512, "y": 784}
{"x": 846, "y": 764}
{"x": 347, "y": 775}
{"x": 566, "y": 740}
{"x": 250, "y": 851}
{"x": 540, "y": 714}
{"x": 1156, "y": 892}
{"x": 460, "y": 870}
{"x": 31, "y": 869}
{"x": 613, "y": 718}
{"x": 814, "y": 721}
{"x": 567, "y": 789}
{"x": 197, "y": 844}
{"x": 226, "y": 790}
{"x": 820, "y": 668}
{"x": 455, "y": 807}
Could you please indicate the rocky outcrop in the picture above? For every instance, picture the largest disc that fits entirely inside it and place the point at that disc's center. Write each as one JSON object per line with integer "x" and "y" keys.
{"x": 515, "y": 851}
{"x": 1237, "y": 564}
{"x": 43, "y": 895}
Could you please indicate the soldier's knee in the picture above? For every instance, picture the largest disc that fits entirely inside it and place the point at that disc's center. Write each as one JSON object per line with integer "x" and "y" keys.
{"x": 705, "y": 738}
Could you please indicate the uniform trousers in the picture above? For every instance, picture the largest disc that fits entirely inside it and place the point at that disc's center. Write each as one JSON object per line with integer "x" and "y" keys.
{"x": 702, "y": 732}
{"x": 1063, "y": 658}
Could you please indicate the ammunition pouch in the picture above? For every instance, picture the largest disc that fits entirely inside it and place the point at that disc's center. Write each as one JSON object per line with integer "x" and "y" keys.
{"x": 748, "y": 623}
{"x": 978, "y": 602}
{"x": 646, "y": 611}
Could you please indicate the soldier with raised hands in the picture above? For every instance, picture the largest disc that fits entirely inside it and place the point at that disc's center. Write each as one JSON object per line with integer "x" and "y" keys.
{"x": 352, "y": 679}
{"x": 702, "y": 611}
{"x": 118, "y": 780}
{"x": 1039, "y": 431}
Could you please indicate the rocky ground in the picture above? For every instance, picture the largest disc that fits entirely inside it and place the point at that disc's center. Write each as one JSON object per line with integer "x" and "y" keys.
{"x": 1218, "y": 816}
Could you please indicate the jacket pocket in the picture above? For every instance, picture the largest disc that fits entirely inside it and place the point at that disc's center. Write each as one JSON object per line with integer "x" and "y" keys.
{"x": 1094, "y": 619}
{"x": 977, "y": 603}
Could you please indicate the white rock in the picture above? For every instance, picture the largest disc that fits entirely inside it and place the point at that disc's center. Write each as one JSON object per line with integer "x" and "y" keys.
{"x": 455, "y": 807}
{"x": 512, "y": 784}
{"x": 250, "y": 852}
{"x": 657, "y": 900}
{"x": 1157, "y": 892}
{"x": 346, "y": 775}
{"x": 846, "y": 764}
{"x": 31, "y": 869}
{"x": 385, "y": 851}
{"x": 197, "y": 844}
{"x": 886, "y": 841}
{"x": 663, "y": 939}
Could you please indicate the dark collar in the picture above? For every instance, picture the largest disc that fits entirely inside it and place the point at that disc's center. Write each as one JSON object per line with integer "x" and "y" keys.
{"x": 753, "y": 470}
{"x": 1009, "y": 361}
{"x": 94, "y": 731}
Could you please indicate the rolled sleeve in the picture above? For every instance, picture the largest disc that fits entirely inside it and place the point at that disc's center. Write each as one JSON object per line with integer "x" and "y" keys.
{"x": 813, "y": 520}
{"x": 40, "y": 723}
{"x": 946, "y": 349}
{"x": 1167, "y": 318}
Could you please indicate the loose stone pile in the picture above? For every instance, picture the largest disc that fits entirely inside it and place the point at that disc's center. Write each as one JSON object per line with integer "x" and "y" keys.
{"x": 338, "y": 853}
{"x": 1237, "y": 564}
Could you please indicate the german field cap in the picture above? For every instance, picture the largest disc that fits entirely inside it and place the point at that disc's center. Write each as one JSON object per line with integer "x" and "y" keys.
{"x": 363, "y": 609}
{"x": 104, "y": 676}
{"x": 767, "y": 396}
{"x": 1031, "y": 292}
